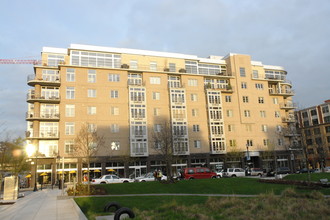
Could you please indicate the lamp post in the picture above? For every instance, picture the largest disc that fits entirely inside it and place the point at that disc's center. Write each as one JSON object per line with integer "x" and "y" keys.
{"x": 31, "y": 149}
{"x": 247, "y": 153}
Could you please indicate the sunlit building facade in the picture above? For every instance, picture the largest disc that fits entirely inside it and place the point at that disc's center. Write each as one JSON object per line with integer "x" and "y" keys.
{"x": 223, "y": 111}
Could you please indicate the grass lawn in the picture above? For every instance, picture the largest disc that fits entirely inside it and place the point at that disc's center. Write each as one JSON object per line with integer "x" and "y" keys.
{"x": 204, "y": 207}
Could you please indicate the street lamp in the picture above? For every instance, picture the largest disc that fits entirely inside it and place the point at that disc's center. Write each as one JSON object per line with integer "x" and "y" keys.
{"x": 30, "y": 150}
{"x": 247, "y": 153}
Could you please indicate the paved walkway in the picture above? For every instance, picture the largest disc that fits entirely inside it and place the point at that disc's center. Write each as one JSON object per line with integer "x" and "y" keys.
{"x": 43, "y": 204}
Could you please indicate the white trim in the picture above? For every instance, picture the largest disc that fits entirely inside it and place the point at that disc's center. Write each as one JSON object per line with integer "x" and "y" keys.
{"x": 55, "y": 50}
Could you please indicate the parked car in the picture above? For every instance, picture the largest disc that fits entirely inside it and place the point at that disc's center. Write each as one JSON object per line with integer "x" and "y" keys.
{"x": 327, "y": 169}
{"x": 234, "y": 172}
{"x": 256, "y": 172}
{"x": 279, "y": 170}
{"x": 219, "y": 173}
{"x": 110, "y": 179}
{"x": 148, "y": 177}
{"x": 197, "y": 173}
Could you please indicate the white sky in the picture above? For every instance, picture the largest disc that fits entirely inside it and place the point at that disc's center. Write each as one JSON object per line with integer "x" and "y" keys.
{"x": 290, "y": 33}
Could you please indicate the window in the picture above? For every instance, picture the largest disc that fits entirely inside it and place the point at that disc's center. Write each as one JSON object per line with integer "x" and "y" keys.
{"x": 264, "y": 128}
{"x": 193, "y": 97}
{"x": 153, "y": 66}
{"x": 255, "y": 74}
{"x": 172, "y": 67}
{"x": 278, "y": 128}
{"x": 308, "y": 132}
{"x": 133, "y": 64}
{"x": 69, "y": 110}
{"x": 192, "y": 82}
{"x": 247, "y": 113}
{"x": 54, "y": 60}
{"x": 228, "y": 98}
{"x": 261, "y": 100}
{"x": 191, "y": 67}
{"x": 242, "y": 72}
{"x": 195, "y": 128}
{"x": 266, "y": 142}
{"x": 245, "y": 99}
{"x": 232, "y": 143}
{"x": 114, "y": 110}
{"x": 69, "y": 146}
{"x": 114, "y": 128}
{"x": 91, "y": 110}
{"x": 280, "y": 142}
{"x": 275, "y": 101}
{"x": 91, "y": 76}
{"x": 249, "y": 143}
{"x": 248, "y": 127}
{"x": 243, "y": 85}
{"x": 91, "y": 93}
{"x": 154, "y": 80}
{"x": 259, "y": 86}
{"x": 114, "y": 94}
{"x": 69, "y": 128}
{"x": 157, "y": 128}
{"x": 317, "y": 131}
{"x": 229, "y": 113}
{"x": 197, "y": 144}
{"x": 325, "y": 109}
{"x": 277, "y": 114}
{"x": 70, "y": 75}
{"x": 263, "y": 114}
{"x": 156, "y": 111}
{"x": 327, "y": 119}
{"x": 155, "y": 95}
{"x": 70, "y": 93}
{"x": 313, "y": 112}
{"x": 231, "y": 128}
{"x": 194, "y": 112}
{"x": 92, "y": 128}
{"x": 113, "y": 77}
{"x": 327, "y": 129}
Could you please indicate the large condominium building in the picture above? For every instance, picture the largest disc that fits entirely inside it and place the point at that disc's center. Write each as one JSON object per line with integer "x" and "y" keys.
{"x": 222, "y": 110}
{"x": 314, "y": 126}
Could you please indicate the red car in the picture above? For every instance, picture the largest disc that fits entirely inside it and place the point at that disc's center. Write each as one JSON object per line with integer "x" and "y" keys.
{"x": 197, "y": 173}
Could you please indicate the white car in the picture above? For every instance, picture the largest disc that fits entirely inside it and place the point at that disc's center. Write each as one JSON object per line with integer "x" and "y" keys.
{"x": 105, "y": 179}
{"x": 234, "y": 172}
{"x": 148, "y": 177}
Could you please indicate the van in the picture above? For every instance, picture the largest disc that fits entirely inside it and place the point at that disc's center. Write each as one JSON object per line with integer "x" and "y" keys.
{"x": 234, "y": 172}
{"x": 197, "y": 173}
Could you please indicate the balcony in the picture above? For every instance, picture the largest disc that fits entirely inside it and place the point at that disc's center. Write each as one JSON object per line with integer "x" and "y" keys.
{"x": 286, "y": 92}
{"x": 42, "y": 116}
{"x": 44, "y": 81}
{"x": 288, "y": 119}
{"x": 224, "y": 88}
{"x": 43, "y": 136}
{"x": 32, "y": 97}
{"x": 288, "y": 105}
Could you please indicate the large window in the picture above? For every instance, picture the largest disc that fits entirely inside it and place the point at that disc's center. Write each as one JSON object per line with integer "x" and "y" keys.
{"x": 91, "y": 110}
{"x": 154, "y": 80}
{"x": 54, "y": 60}
{"x": 113, "y": 77}
{"x": 91, "y": 76}
{"x": 69, "y": 110}
{"x": 242, "y": 72}
{"x": 84, "y": 58}
{"x": 69, "y": 128}
{"x": 70, "y": 75}
{"x": 70, "y": 93}
{"x": 191, "y": 67}
{"x": 153, "y": 66}
{"x": 91, "y": 93}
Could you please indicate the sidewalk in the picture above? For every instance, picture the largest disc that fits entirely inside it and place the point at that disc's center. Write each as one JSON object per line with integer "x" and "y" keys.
{"x": 43, "y": 204}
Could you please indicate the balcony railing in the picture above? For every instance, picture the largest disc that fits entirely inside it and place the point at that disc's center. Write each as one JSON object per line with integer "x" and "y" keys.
{"x": 44, "y": 80}
{"x": 288, "y": 119}
{"x": 37, "y": 97}
{"x": 288, "y": 105}
{"x": 47, "y": 116}
{"x": 42, "y": 135}
{"x": 285, "y": 92}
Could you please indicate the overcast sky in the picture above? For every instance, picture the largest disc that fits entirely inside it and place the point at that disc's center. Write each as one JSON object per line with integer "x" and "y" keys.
{"x": 294, "y": 34}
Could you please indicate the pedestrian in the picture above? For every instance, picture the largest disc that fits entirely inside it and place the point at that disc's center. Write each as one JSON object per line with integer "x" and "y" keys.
{"x": 155, "y": 175}
{"x": 159, "y": 176}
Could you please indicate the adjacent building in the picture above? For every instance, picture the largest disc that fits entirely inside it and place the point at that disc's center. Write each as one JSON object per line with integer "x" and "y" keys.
{"x": 314, "y": 127}
{"x": 223, "y": 110}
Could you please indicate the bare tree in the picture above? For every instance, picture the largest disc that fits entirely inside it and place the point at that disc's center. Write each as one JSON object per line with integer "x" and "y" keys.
{"x": 86, "y": 145}
{"x": 164, "y": 145}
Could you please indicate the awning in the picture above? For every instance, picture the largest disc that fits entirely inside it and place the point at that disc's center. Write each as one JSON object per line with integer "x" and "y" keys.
{"x": 111, "y": 170}
{"x": 85, "y": 171}
{"x": 43, "y": 174}
{"x": 72, "y": 171}
{"x": 28, "y": 176}
{"x": 97, "y": 171}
